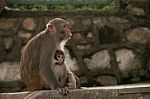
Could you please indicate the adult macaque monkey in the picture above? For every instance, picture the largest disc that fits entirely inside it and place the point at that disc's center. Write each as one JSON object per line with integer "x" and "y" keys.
{"x": 37, "y": 57}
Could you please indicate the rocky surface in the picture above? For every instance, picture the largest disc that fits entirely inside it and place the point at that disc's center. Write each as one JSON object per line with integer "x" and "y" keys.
{"x": 139, "y": 35}
{"x": 107, "y": 80}
{"x": 10, "y": 71}
{"x": 128, "y": 61}
{"x": 139, "y": 91}
{"x": 99, "y": 60}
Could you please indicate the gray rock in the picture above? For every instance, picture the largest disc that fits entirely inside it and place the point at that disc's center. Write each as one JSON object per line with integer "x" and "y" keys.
{"x": 84, "y": 46}
{"x": 115, "y": 19}
{"x": 86, "y": 22}
{"x": 135, "y": 80}
{"x": 71, "y": 63}
{"x": 22, "y": 34}
{"x": 83, "y": 80}
{"x": 7, "y": 23}
{"x": 99, "y": 60}
{"x": 139, "y": 35}
{"x": 10, "y": 71}
{"x": 127, "y": 61}
{"x": 107, "y": 80}
{"x": 71, "y": 22}
{"x": 8, "y": 42}
{"x": 17, "y": 95}
{"x": 76, "y": 36}
{"x": 90, "y": 35}
{"x": 29, "y": 24}
{"x": 135, "y": 10}
{"x": 100, "y": 21}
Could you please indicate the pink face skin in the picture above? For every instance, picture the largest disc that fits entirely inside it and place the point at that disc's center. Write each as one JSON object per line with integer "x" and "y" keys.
{"x": 63, "y": 30}
{"x": 67, "y": 31}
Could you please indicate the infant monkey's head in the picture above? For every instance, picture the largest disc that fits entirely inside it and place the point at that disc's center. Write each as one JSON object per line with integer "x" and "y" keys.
{"x": 59, "y": 56}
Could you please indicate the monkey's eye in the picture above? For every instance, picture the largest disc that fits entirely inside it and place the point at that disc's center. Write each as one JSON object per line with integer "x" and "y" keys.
{"x": 65, "y": 26}
{"x": 50, "y": 26}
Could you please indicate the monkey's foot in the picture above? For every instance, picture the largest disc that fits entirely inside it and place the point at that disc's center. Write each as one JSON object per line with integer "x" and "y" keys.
{"x": 63, "y": 91}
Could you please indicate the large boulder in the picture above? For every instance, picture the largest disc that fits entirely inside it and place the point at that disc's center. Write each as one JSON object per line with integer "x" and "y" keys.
{"x": 10, "y": 71}
{"x": 99, "y": 60}
{"x": 128, "y": 61}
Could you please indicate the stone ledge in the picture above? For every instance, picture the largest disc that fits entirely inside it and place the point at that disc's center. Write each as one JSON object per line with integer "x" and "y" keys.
{"x": 16, "y": 95}
{"x": 139, "y": 91}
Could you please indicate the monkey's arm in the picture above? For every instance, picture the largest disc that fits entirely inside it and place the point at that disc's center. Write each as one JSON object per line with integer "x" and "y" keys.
{"x": 46, "y": 63}
{"x": 73, "y": 80}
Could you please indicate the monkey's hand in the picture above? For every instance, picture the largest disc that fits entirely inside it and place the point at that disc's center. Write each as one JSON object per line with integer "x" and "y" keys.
{"x": 63, "y": 91}
{"x": 71, "y": 86}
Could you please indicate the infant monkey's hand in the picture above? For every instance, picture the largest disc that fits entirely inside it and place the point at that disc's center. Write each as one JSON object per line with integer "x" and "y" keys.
{"x": 63, "y": 91}
{"x": 71, "y": 86}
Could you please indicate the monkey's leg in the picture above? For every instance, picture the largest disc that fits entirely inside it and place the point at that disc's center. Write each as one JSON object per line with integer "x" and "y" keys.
{"x": 71, "y": 81}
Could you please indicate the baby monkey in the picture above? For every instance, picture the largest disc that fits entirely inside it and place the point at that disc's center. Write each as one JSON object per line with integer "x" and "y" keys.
{"x": 64, "y": 76}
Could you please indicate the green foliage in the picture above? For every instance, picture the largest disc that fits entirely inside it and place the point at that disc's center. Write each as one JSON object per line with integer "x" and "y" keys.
{"x": 37, "y": 7}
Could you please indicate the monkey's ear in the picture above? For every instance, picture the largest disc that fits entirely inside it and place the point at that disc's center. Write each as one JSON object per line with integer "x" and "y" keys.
{"x": 50, "y": 27}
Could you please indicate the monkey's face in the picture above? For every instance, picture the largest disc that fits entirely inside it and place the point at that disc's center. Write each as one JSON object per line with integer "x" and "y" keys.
{"x": 60, "y": 28}
{"x": 64, "y": 31}
{"x": 60, "y": 58}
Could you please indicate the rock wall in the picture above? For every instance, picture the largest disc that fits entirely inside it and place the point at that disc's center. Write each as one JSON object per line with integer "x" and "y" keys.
{"x": 107, "y": 48}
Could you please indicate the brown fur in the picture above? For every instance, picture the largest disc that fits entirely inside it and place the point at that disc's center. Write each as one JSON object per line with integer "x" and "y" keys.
{"x": 37, "y": 57}
{"x": 65, "y": 76}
